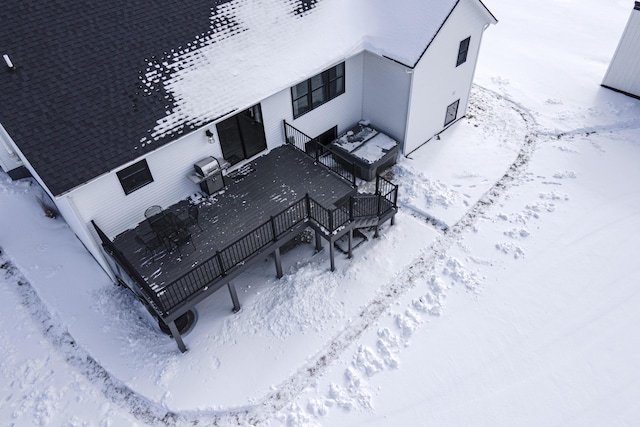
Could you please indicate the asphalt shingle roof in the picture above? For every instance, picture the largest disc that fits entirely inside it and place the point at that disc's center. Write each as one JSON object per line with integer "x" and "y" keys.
{"x": 74, "y": 103}
{"x": 100, "y": 83}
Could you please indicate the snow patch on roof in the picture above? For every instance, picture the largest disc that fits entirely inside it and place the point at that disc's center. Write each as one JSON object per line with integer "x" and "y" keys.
{"x": 402, "y": 29}
{"x": 258, "y": 47}
{"x": 268, "y": 47}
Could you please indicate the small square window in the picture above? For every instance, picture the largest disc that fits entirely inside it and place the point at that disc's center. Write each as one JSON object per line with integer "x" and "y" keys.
{"x": 135, "y": 177}
{"x": 463, "y": 50}
{"x": 452, "y": 113}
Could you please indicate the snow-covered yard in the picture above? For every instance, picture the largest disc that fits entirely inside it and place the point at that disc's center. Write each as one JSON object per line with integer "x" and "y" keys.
{"x": 505, "y": 294}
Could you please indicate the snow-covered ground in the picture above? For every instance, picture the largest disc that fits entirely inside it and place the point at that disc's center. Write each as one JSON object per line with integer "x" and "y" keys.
{"x": 506, "y": 293}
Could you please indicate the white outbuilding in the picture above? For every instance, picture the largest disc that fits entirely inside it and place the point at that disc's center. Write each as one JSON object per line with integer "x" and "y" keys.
{"x": 623, "y": 74}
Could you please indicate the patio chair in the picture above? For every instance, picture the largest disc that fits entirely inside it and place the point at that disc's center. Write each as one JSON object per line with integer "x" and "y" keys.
{"x": 179, "y": 238}
{"x": 163, "y": 228}
{"x": 151, "y": 245}
{"x": 193, "y": 216}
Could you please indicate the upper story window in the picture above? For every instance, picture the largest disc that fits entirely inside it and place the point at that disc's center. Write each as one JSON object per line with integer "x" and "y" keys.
{"x": 463, "y": 50}
{"x": 135, "y": 176}
{"x": 317, "y": 90}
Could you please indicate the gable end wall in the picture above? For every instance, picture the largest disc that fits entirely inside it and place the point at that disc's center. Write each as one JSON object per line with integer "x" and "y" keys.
{"x": 437, "y": 82}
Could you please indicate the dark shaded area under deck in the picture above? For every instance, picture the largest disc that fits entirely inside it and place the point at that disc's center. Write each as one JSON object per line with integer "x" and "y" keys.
{"x": 274, "y": 181}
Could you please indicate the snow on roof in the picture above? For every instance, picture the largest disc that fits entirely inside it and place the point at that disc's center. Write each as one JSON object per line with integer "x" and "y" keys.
{"x": 402, "y": 35}
{"x": 270, "y": 47}
{"x": 96, "y": 88}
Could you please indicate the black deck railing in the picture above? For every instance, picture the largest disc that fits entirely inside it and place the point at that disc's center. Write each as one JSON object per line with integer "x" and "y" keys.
{"x": 364, "y": 206}
{"x": 166, "y": 298}
{"x": 322, "y": 154}
{"x": 388, "y": 192}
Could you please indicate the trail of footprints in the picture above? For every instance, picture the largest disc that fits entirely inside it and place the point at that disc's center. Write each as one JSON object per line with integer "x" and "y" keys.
{"x": 355, "y": 392}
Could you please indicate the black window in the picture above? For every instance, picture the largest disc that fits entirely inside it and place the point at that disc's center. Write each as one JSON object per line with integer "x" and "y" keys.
{"x": 452, "y": 112}
{"x": 317, "y": 90}
{"x": 135, "y": 176}
{"x": 463, "y": 50}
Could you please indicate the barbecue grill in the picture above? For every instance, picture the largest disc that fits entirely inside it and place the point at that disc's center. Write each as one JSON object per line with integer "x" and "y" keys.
{"x": 208, "y": 174}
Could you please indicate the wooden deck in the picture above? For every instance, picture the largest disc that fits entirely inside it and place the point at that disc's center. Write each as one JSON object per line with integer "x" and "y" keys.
{"x": 274, "y": 181}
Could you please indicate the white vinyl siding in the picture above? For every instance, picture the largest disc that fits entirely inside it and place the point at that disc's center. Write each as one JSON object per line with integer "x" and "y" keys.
{"x": 104, "y": 201}
{"x": 624, "y": 71}
{"x": 386, "y": 94}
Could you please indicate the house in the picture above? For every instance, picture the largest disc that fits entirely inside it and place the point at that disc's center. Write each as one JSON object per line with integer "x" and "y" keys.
{"x": 109, "y": 105}
{"x": 623, "y": 74}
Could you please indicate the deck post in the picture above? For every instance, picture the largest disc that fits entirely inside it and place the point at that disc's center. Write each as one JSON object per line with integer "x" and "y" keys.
{"x": 273, "y": 228}
{"x": 353, "y": 175}
{"x": 350, "y": 243}
{"x": 276, "y": 253}
{"x": 351, "y": 204}
{"x": 176, "y": 336}
{"x": 234, "y": 297}
{"x": 331, "y": 256}
{"x": 318, "y": 241}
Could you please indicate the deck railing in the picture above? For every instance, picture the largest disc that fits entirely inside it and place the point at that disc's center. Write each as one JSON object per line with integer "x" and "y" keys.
{"x": 388, "y": 192}
{"x": 364, "y": 206}
{"x": 168, "y": 297}
{"x": 320, "y": 153}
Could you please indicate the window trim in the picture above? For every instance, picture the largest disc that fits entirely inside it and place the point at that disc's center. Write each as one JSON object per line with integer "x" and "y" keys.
{"x": 463, "y": 51}
{"x": 139, "y": 170}
{"x": 325, "y": 89}
{"x": 448, "y": 121}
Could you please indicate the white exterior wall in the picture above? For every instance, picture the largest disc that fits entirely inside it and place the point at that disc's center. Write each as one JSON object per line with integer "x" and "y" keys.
{"x": 275, "y": 109}
{"x": 437, "y": 82}
{"x": 386, "y": 94}
{"x": 624, "y": 71}
{"x": 103, "y": 200}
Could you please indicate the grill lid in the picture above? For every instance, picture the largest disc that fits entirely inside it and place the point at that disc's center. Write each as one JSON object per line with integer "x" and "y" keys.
{"x": 207, "y": 166}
